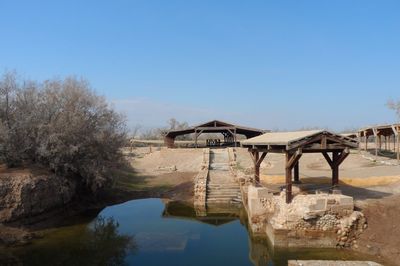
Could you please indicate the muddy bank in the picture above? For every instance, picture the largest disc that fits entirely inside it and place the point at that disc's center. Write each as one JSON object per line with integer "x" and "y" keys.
{"x": 25, "y": 195}
{"x": 33, "y": 199}
{"x": 381, "y": 238}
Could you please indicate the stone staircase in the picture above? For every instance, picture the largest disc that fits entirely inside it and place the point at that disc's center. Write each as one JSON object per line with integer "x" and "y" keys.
{"x": 222, "y": 188}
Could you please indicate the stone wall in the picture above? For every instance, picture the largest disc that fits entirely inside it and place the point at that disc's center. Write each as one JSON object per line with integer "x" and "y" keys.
{"x": 317, "y": 220}
{"x": 232, "y": 161}
{"x": 25, "y": 196}
{"x": 200, "y": 184}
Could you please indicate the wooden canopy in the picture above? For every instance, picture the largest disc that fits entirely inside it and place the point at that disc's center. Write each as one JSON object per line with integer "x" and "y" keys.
{"x": 294, "y": 144}
{"x": 229, "y": 131}
{"x": 382, "y": 133}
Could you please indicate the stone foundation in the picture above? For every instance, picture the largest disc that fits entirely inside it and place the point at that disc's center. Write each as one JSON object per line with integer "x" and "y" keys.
{"x": 200, "y": 184}
{"x": 318, "y": 220}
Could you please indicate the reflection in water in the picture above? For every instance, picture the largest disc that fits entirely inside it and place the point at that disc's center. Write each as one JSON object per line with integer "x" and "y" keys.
{"x": 96, "y": 244}
{"x": 164, "y": 234}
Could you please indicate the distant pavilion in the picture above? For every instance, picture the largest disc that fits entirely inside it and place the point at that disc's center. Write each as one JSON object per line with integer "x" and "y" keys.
{"x": 229, "y": 132}
{"x": 382, "y": 134}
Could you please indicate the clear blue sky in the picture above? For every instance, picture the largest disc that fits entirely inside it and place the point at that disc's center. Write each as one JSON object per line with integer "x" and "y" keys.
{"x": 268, "y": 64}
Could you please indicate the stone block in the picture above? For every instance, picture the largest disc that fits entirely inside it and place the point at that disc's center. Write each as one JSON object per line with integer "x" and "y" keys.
{"x": 258, "y": 192}
{"x": 331, "y": 201}
{"x": 345, "y": 200}
{"x": 320, "y": 205}
{"x": 256, "y": 207}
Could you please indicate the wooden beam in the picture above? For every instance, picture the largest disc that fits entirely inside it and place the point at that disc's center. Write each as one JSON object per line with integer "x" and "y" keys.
{"x": 296, "y": 173}
{"x": 375, "y": 131}
{"x": 261, "y": 158}
{"x": 328, "y": 159}
{"x": 341, "y": 157}
{"x": 293, "y": 159}
{"x": 398, "y": 148}
{"x": 195, "y": 138}
{"x": 288, "y": 180}
{"x": 323, "y": 142}
{"x": 335, "y": 169}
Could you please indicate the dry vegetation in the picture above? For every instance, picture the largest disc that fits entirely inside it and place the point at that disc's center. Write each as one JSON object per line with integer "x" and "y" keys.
{"x": 61, "y": 125}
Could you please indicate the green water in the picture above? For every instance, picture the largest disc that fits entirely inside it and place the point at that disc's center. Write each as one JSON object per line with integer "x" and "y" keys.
{"x": 149, "y": 232}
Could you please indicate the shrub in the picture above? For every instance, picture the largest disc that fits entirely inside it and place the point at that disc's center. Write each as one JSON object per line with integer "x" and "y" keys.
{"x": 61, "y": 124}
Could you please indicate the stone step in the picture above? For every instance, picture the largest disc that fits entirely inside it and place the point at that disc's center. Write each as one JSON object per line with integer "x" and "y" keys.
{"x": 212, "y": 184}
{"x": 222, "y": 198}
{"x": 211, "y": 196}
{"x": 223, "y": 187}
{"x": 223, "y": 202}
{"x": 221, "y": 183}
{"x": 232, "y": 191}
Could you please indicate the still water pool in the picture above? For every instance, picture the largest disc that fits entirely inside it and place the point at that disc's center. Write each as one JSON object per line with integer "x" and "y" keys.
{"x": 151, "y": 232}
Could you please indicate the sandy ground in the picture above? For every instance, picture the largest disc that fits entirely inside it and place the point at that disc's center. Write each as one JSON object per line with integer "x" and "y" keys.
{"x": 374, "y": 186}
{"x": 160, "y": 172}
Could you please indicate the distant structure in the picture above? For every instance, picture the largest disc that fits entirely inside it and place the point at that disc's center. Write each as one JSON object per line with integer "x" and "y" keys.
{"x": 383, "y": 136}
{"x": 229, "y": 131}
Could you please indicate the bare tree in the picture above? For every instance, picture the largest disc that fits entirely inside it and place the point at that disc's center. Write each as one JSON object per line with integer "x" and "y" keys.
{"x": 60, "y": 124}
{"x": 135, "y": 131}
{"x": 394, "y": 105}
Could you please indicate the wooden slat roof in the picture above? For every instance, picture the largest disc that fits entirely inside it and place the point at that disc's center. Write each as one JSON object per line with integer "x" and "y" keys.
{"x": 280, "y": 138}
{"x": 300, "y": 139}
{"x": 217, "y": 126}
{"x": 384, "y": 130}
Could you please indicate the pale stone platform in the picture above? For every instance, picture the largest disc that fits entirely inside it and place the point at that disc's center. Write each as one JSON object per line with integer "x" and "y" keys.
{"x": 310, "y": 220}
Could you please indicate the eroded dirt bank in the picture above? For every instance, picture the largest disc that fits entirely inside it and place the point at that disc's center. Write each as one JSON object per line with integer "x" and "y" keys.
{"x": 32, "y": 198}
{"x": 382, "y": 237}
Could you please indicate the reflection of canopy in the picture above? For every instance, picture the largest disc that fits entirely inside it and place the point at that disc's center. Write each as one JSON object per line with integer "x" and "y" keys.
{"x": 228, "y": 130}
{"x": 179, "y": 210}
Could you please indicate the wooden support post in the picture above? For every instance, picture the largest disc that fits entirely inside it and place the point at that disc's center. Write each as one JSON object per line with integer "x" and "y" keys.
{"x": 195, "y": 138}
{"x": 235, "y": 138}
{"x": 335, "y": 169}
{"x": 288, "y": 179}
{"x": 386, "y": 141}
{"x": 292, "y": 160}
{"x": 376, "y": 140}
{"x": 398, "y": 147}
{"x": 256, "y": 167}
{"x": 334, "y": 163}
{"x": 296, "y": 173}
{"x": 365, "y": 140}
{"x": 257, "y": 160}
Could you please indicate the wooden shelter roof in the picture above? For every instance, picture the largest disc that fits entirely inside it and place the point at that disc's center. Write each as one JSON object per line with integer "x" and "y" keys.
{"x": 350, "y": 135}
{"x": 216, "y": 126}
{"x": 382, "y": 130}
{"x": 314, "y": 139}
